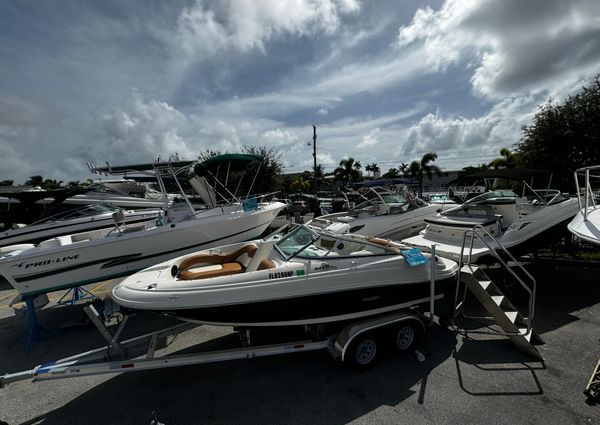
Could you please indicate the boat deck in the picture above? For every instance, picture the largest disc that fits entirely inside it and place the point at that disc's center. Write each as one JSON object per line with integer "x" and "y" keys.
{"x": 467, "y": 380}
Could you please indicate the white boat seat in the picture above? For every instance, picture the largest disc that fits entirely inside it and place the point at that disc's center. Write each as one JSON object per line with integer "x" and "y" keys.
{"x": 134, "y": 228}
{"x": 58, "y": 241}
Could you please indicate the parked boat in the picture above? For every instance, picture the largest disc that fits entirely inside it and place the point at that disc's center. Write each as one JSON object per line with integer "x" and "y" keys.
{"x": 304, "y": 277}
{"x": 384, "y": 214}
{"x": 81, "y": 258}
{"x": 89, "y": 217}
{"x": 586, "y": 224}
{"x": 511, "y": 219}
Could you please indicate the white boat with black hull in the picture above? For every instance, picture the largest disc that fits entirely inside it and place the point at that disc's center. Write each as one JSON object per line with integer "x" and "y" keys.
{"x": 304, "y": 277}
{"x": 81, "y": 258}
{"x": 89, "y": 217}
{"x": 514, "y": 221}
{"x": 586, "y": 224}
{"x": 384, "y": 214}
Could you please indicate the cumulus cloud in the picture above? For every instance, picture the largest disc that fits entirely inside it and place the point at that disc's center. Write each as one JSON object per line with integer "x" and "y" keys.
{"x": 142, "y": 129}
{"x": 369, "y": 140}
{"x": 513, "y": 46}
{"x": 475, "y": 138}
{"x": 245, "y": 25}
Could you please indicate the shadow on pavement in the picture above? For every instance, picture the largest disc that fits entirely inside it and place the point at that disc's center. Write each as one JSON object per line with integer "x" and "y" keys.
{"x": 308, "y": 388}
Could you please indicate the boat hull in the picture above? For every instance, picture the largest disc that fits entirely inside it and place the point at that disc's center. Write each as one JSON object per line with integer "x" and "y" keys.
{"x": 525, "y": 234}
{"x": 587, "y": 229}
{"x": 314, "y": 309}
{"x": 39, "y": 270}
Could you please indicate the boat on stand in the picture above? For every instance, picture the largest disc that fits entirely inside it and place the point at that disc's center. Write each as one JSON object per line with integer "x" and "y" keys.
{"x": 298, "y": 278}
{"x": 383, "y": 213}
{"x": 77, "y": 259}
{"x": 586, "y": 224}
{"x": 516, "y": 222}
{"x": 88, "y": 217}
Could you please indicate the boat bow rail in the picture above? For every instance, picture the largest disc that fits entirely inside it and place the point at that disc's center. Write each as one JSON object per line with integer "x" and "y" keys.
{"x": 586, "y": 224}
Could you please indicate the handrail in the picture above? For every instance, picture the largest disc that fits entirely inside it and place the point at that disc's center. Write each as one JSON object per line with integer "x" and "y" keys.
{"x": 589, "y": 195}
{"x": 531, "y": 292}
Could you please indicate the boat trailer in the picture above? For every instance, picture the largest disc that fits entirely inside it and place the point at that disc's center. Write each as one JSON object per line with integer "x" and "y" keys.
{"x": 355, "y": 344}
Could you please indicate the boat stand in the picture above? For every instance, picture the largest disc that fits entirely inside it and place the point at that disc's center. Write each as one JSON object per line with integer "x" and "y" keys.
{"x": 76, "y": 294}
{"x": 35, "y": 331}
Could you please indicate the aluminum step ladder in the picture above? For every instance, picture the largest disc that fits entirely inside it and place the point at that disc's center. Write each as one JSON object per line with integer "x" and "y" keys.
{"x": 515, "y": 325}
{"x": 504, "y": 313}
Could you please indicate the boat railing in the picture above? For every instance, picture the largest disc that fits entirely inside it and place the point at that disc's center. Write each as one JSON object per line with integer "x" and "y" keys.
{"x": 478, "y": 232}
{"x": 588, "y": 202}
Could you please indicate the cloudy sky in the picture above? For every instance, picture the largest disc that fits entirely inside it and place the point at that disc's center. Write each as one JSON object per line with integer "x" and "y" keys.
{"x": 384, "y": 81}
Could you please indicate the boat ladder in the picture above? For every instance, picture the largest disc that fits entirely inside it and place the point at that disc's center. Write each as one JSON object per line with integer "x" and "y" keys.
{"x": 515, "y": 325}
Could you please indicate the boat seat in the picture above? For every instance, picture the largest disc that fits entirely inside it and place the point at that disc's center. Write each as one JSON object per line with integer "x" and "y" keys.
{"x": 261, "y": 253}
{"x": 266, "y": 264}
{"x": 57, "y": 241}
{"x": 134, "y": 228}
{"x": 226, "y": 269}
{"x": 229, "y": 262}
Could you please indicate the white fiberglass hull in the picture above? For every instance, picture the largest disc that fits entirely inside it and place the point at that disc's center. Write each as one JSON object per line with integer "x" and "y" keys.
{"x": 49, "y": 268}
{"x": 292, "y": 292}
{"x": 448, "y": 238}
{"x": 587, "y": 229}
{"x": 388, "y": 226}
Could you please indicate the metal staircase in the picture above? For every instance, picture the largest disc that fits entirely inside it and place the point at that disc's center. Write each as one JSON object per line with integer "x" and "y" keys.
{"x": 513, "y": 324}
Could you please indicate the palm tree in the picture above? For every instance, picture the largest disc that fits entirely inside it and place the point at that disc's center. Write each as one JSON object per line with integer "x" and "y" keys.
{"x": 392, "y": 173}
{"x": 348, "y": 171}
{"x": 376, "y": 169}
{"x": 299, "y": 184}
{"x": 50, "y": 184}
{"x": 507, "y": 159}
{"x": 34, "y": 181}
{"x": 369, "y": 168}
{"x": 422, "y": 168}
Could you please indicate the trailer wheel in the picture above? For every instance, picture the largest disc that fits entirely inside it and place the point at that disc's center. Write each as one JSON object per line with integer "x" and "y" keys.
{"x": 362, "y": 352}
{"x": 406, "y": 336}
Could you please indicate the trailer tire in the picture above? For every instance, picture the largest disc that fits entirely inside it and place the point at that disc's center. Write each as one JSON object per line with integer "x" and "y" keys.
{"x": 406, "y": 336}
{"x": 362, "y": 352}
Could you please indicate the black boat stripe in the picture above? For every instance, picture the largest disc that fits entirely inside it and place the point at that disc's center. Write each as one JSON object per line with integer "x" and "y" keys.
{"x": 123, "y": 259}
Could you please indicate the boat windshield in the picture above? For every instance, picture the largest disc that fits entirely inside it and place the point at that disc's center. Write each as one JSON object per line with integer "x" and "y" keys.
{"x": 304, "y": 243}
{"x": 395, "y": 202}
{"x": 495, "y": 195}
{"x": 296, "y": 241}
{"x": 85, "y": 211}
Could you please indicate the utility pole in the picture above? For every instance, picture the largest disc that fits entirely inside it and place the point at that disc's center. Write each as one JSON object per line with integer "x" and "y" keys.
{"x": 315, "y": 158}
